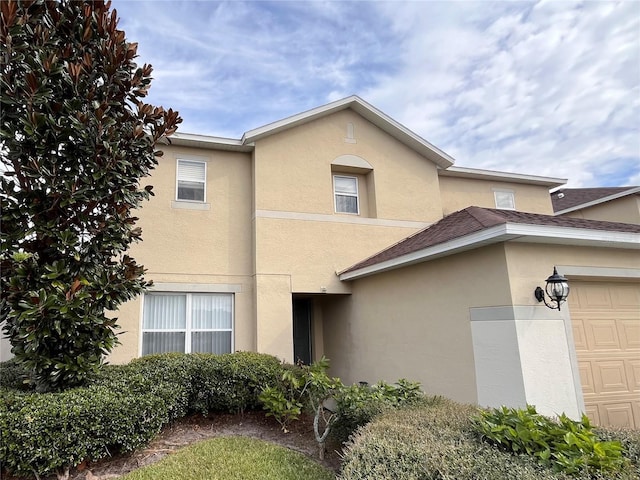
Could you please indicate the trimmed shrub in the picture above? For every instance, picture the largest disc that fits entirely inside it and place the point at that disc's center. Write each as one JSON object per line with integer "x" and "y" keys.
{"x": 359, "y": 404}
{"x": 438, "y": 442}
{"x": 123, "y": 407}
{"x": 630, "y": 441}
{"x": 41, "y": 433}
{"x": 232, "y": 382}
{"x": 13, "y": 374}
{"x": 162, "y": 382}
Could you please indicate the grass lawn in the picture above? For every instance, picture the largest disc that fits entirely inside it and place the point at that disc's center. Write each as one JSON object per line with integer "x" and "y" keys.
{"x": 234, "y": 458}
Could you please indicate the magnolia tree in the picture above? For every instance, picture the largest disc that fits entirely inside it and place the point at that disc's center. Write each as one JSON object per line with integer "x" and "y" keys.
{"x": 76, "y": 138}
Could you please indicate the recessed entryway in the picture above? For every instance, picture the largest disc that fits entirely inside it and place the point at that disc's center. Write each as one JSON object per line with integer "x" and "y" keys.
{"x": 302, "y": 328}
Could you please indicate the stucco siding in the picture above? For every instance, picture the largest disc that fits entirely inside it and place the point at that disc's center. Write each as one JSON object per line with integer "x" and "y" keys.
{"x": 312, "y": 251}
{"x": 530, "y": 264}
{"x": 293, "y": 170}
{"x": 414, "y": 323}
{"x": 460, "y": 193}
{"x": 625, "y": 210}
{"x": 208, "y": 249}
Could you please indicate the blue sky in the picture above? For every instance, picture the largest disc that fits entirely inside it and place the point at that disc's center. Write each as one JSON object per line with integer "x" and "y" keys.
{"x": 546, "y": 88}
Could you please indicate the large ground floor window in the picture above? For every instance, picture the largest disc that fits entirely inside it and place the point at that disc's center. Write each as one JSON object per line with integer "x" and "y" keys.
{"x": 187, "y": 322}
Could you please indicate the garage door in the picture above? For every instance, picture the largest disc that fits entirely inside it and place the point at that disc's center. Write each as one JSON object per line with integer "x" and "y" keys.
{"x": 606, "y": 330}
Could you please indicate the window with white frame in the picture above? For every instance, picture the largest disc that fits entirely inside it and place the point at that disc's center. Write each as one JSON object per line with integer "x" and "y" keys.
{"x": 191, "y": 180}
{"x": 187, "y": 322}
{"x": 345, "y": 192}
{"x": 505, "y": 199}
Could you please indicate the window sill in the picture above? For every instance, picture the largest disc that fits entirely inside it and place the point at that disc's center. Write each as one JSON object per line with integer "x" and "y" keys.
{"x": 186, "y": 205}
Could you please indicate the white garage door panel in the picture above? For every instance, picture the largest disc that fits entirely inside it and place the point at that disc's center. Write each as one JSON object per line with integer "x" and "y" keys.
{"x": 606, "y": 329}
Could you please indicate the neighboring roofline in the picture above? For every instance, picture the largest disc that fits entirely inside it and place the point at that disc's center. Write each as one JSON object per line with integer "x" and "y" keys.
{"x": 501, "y": 233}
{"x": 207, "y": 141}
{"x": 608, "y": 198}
{"x": 480, "y": 174}
{"x": 369, "y": 112}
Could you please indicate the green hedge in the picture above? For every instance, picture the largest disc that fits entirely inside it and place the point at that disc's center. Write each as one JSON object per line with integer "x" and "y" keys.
{"x": 12, "y": 375}
{"x": 437, "y": 441}
{"x": 41, "y": 433}
{"x": 124, "y": 407}
{"x": 359, "y": 404}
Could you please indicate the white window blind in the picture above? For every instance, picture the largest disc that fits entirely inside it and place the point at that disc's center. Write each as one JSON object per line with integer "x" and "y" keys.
{"x": 505, "y": 200}
{"x": 346, "y": 194}
{"x": 191, "y": 180}
{"x": 188, "y": 322}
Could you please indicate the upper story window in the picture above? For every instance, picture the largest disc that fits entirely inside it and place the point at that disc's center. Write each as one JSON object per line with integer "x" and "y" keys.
{"x": 345, "y": 190}
{"x": 191, "y": 180}
{"x": 505, "y": 199}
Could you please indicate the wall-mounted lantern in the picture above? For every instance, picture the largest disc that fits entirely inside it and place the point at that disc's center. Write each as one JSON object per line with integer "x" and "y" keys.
{"x": 557, "y": 289}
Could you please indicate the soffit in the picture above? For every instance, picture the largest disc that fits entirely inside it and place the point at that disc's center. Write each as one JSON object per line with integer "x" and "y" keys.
{"x": 479, "y": 174}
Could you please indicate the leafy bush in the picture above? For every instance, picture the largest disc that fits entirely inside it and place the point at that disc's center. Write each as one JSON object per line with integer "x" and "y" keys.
{"x": 437, "y": 440}
{"x": 13, "y": 375}
{"x": 359, "y": 404}
{"x": 566, "y": 445}
{"x": 76, "y": 141}
{"x": 284, "y": 408}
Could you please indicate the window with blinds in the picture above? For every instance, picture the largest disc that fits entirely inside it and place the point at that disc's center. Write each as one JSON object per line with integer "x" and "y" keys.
{"x": 191, "y": 180}
{"x": 345, "y": 191}
{"x": 505, "y": 199}
{"x": 187, "y": 323}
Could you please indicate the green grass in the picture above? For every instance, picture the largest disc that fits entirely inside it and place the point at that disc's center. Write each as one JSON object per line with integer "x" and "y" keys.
{"x": 234, "y": 458}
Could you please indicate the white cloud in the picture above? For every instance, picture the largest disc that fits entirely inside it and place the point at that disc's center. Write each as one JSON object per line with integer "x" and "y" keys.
{"x": 550, "y": 88}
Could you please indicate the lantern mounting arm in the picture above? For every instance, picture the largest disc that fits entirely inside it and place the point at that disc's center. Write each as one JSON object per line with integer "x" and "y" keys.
{"x": 539, "y": 293}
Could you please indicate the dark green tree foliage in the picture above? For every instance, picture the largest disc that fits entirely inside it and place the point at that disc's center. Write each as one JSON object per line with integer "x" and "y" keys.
{"x": 75, "y": 141}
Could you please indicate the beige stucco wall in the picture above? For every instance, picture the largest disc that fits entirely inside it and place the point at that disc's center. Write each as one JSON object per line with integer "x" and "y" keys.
{"x": 459, "y": 193}
{"x": 530, "y": 264}
{"x": 297, "y": 234}
{"x": 312, "y": 251}
{"x": 625, "y": 210}
{"x": 293, "y": 170}
{"x": 189, "y": 247}
{"x": 414, "y": 323}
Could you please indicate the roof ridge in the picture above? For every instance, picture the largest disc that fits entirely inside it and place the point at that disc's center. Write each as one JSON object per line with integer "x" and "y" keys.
{"x": 487, "y": 217}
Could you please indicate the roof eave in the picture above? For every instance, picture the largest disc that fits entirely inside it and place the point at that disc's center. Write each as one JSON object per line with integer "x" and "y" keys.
{"x": 367, "y": 111}
{"x": 502, "y": 233}
{"x": 206, "y": 141}
{"x": 592, "y": 203}
{"x": 475, "y": 173}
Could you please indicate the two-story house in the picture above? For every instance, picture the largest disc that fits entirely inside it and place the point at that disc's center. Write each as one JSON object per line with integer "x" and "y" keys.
{"x": 340, "y": 232}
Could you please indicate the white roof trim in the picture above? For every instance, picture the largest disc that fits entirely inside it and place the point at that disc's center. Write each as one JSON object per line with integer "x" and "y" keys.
{"x": 369, "y": 112}
{"x": 466, "y": 172}
{"x": 502, "y": 233}
{"x": 624, "y": 193}
{"x": 207, "y": 141}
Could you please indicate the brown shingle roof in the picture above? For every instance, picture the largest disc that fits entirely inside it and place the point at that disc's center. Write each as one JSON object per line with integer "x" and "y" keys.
{"x": 475, "y": 219}
{"x": 572, "y": 197}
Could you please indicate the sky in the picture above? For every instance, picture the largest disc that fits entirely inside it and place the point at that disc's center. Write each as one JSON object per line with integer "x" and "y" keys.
{"x": 547, "y": 88}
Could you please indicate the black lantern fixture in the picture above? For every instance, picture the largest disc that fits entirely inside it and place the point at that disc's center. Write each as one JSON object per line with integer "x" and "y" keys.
{"x": 557, "y": 289}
